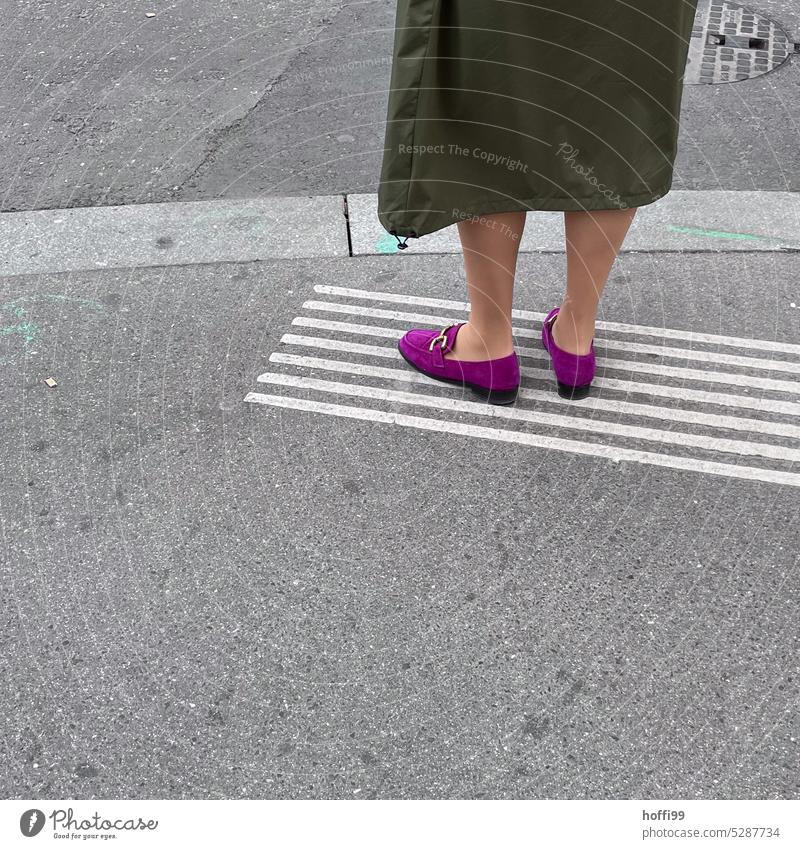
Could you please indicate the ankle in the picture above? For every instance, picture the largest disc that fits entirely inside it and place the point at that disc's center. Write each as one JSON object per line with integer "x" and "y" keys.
{"x": 472, "y": 344}
{"x": 577, "y": 317}
{"x": 572, "y": 337}
{"x": 491, "y": 335}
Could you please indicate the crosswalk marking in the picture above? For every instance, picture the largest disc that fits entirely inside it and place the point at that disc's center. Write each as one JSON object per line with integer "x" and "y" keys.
{"x": 697, "y": 396}
{"x": 731, "y": 446}
{"x": 678, "y": 372}
{"x": 529, "y": 315}
{"x": 536, "y": 440}
{"x": 739, "y": 423}
{"x": 529, "y": 333}
{"x": 689, "y": 415}
{"x": 787, "y": 407}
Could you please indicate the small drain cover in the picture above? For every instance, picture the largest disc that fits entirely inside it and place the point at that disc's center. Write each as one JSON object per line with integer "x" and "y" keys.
{"x": 731, "y": 43}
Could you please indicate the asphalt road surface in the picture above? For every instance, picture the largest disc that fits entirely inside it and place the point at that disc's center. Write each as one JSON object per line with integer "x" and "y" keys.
{"x": 103, "y": 105}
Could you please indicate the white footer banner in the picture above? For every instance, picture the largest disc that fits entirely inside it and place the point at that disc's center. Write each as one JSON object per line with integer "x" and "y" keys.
{"x": 388, "y": 823}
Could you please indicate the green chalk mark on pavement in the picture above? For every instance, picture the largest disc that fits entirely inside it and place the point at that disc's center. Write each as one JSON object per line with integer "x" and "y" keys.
{"x": 387, "y": 244}
{"x": 719, "y": 234}
{"x": 27, "y": 329}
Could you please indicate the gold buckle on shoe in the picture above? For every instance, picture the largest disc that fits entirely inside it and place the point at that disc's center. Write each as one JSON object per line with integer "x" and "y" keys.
{"x": 441, "y": 338}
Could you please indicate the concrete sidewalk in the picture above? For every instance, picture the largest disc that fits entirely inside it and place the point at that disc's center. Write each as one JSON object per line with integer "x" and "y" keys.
{"x": 159, "y": 234}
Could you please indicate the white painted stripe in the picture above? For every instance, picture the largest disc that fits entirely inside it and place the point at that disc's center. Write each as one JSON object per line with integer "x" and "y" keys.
{"x": 537, "y": 440}
{"x": 621, "y": 365}
{"x": 527, "y": 315}
{"x": 739, "y": 423}
{"x": 600, "y": 344}
{"x": 607, "y": 428}
{"x": 341, "y": 345}
{"x": 677, "y": 372}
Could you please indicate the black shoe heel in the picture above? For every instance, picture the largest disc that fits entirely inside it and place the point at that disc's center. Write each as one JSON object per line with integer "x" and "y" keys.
{"x": 495, "y": 396}
{"x": 573, "y": 393}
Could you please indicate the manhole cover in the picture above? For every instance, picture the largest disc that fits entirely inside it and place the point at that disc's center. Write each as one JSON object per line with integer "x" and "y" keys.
{"x": 731, "y": 43}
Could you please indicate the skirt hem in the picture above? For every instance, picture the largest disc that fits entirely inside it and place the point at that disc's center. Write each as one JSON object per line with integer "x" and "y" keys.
{"x": 439, "y": 220}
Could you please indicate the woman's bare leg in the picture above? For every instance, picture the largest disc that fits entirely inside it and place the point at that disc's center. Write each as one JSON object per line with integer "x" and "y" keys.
{"x": 593, "y": 242}
{"x": 490, "y": 244}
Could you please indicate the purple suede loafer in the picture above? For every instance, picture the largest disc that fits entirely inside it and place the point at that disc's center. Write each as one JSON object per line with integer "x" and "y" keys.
{"x": 574, "y": 372}
{"x": 495, "y": 380}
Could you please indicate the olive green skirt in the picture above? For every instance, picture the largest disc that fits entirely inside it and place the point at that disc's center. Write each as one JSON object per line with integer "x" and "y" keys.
{"x": 511, "y": 105}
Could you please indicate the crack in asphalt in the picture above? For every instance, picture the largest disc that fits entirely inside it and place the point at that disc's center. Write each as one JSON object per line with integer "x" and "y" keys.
{"x": 221, "y": 135}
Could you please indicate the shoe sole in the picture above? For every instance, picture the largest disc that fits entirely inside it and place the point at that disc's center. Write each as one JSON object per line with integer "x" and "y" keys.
{"x": 573, "y": 393}
{"x": 492, "y": 396}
